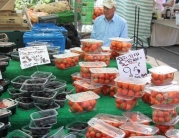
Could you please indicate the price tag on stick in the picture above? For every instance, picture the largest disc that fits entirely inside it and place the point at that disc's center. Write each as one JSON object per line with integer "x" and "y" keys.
{"x": 132, "y": 64}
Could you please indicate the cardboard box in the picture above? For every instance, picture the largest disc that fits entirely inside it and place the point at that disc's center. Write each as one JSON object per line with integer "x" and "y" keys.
{"x": 10, "y": 21}
{"x": 11, "y": 13}
{"x": 7, "y": 5}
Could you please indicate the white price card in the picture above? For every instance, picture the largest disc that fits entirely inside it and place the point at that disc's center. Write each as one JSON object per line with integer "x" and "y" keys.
{"x": 132, "y": 64}
{"x": 33, "y": 56}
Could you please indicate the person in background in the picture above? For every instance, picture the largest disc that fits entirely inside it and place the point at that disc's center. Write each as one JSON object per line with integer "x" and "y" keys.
{"x": 109, "y": 24}
{"x": 170, "y": 4}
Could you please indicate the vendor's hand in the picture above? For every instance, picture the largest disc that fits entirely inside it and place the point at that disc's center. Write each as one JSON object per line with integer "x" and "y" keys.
{"x": 164, "y": 4}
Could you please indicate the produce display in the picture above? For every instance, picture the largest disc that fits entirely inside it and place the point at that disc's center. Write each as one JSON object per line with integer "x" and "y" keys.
{"x": 162, "y": 75}
{"x": 25, "y": 103}
{"x": 44, "y": 118}
{"x": 85, "y": 68}
{"x": 60, "y": 99}
{"x": 77, "y": 126}
{"x": 104, "y": 76}
{"x": 108, "y": 90}
{"x": 121, "y": 45}
{"x": 164, "y": 113}
{"x": 18, "y": 81}
{"x": 45, "y": 98}
{"x": 85, "y": 85}
{"x": 97, "y": 12}
{"x": 135, "y": 129}
{"x": 165, "y": 94}
{"x": 173, "y": 133}
{"x": 125, "y": 103}
{"x": 65, "y": 61}
{"x": 82, "y": 102}
{"x": 98, "y": 128}
{"x": 137, "y": 117}
{"x": 78, "y": 50}
{"x": 113, "y": 120}
{"x": 91, "y": 45}
{"x": 105, "y": 57}
{"x": 131, "y": 87}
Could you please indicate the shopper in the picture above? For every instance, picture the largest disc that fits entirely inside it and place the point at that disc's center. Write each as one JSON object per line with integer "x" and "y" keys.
{"x": 109, "y": 24}
{"x": 169, "y": 4}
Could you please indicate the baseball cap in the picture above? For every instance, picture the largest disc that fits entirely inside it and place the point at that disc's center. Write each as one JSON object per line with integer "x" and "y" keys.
{"x": 110, "y": 4}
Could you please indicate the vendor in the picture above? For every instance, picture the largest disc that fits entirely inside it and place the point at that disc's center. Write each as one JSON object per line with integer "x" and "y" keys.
{"x": 169, "y": 4}
{"x": 109, "y": 24}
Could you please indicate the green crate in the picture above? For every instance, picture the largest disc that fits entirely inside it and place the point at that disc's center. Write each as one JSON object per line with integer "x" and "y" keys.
{"x": 66, "y": 17}
{"x": 86, "y": 19}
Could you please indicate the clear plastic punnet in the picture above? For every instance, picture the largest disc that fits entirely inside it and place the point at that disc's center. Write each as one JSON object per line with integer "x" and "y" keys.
{"x": 103, "y": 76}
{"x": 34, "y": 85}
{"x": 122, "y": 45}
{"x": 132, "y": 87}
{"x": 76, "y": 76}
{"x": 82, "y": 102}
{"x": 172, "y": 133}
{"x": 78, "y": 50}
{"x": 164, "y": 113}
{"x": 125, "y": 103}
{"x": 165, "y": 94}
{"x": 113, "y": 120}
{"x": 46, "y": 97}
{"x": 18, "y": 133}
{"x": 41, "y": 74}
{"x": 137, "y": 117}
{"x": 93, "y": 57}
{"x": 59, "y": 132}
{"x": 77, "y": 126}
{"x": 156, "y": 136}
{"x": 99, "y": 126}
{"x": 85, "y": 85}
{"x": 147, "y": 95}
{"x": 37, "y": 43}
{"x": 8, "y": 104}
{"x": 39, "y": 130}
{"x": 19, "y": 80}
{"x": 67, "y": 60}
{"x": 138, "y": 129}
{"x": 25, "y": 103}
{"x": 56, "y": 85}
{"x": 162, "y": 75}
{"x": 91, "y": 45}
{"x": 42, "y": 107}
{"x": 44, "y": 118}
{"x": 85, "y": 66}
{"x": 164, "y": 127}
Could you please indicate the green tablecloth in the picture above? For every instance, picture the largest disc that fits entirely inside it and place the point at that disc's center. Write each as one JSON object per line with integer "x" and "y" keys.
{"x": 104, "y": 105}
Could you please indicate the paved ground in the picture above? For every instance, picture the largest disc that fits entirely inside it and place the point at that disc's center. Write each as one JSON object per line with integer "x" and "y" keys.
{"x": 157, "y": 56}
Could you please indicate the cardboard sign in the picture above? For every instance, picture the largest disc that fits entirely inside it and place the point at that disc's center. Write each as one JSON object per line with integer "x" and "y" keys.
{"x": 33, "y": 56}
{"x": 132, "y": 64}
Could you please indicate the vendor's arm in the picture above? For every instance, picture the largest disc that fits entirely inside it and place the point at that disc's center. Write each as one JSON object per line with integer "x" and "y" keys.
{"x": 169, "y": 4}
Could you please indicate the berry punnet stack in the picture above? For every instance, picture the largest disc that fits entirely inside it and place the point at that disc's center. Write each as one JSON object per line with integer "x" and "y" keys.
{"x": 164, "y": 98}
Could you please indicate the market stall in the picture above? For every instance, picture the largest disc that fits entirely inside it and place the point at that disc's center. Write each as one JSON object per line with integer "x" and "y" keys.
{"x": 22, "y": 117}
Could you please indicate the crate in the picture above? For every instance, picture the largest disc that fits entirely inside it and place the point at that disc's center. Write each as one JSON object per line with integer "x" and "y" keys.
{"x": 10, "y": 20}
{"x": 52, "y": 37}
{"x": 48, "y": 27}
{"x": 53, "y": 18}
{"x": 7, "y": 5}
{"x": 11, "y": 13}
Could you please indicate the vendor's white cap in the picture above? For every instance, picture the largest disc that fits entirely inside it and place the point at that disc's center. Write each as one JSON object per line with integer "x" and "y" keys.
{"x": 110, "y": 4}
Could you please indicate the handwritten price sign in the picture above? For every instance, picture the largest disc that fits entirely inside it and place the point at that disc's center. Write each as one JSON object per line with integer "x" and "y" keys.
{"x": 33, "y": 56}
{"x": 132, "y": 64}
